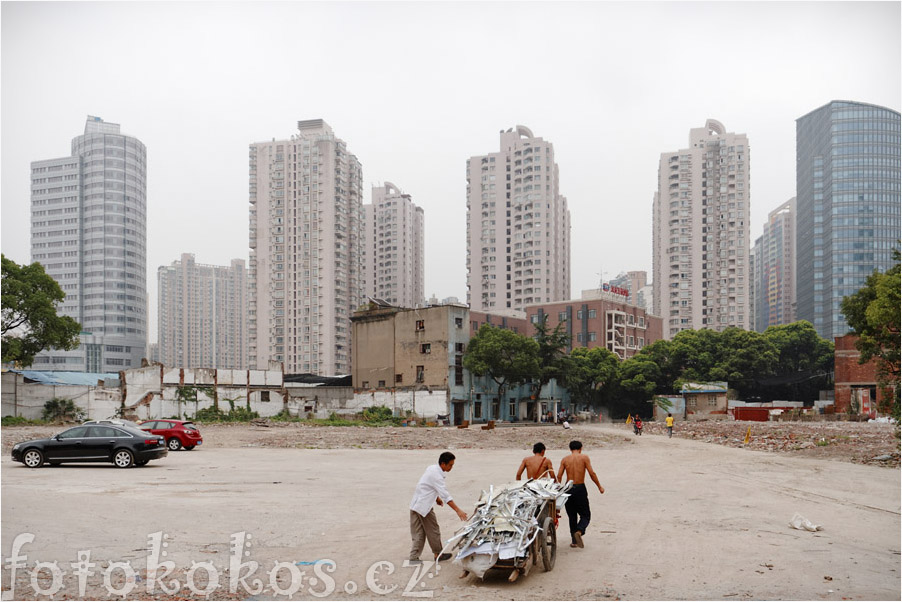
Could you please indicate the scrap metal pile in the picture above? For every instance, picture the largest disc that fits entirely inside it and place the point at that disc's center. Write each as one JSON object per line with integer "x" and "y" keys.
{"x": 505, "y": 523}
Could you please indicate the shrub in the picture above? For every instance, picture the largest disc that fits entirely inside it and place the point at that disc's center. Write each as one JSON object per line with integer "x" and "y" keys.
{"x": 19, "y": 421}
{"x": 62, "y": 410}
{"x": 377, "y": 414}
{"x": 235, "y": 414}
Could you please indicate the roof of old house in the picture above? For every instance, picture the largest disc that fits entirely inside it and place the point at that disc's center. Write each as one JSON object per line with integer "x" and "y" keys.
{"x": 715, "y": 387}
{"x": 315, "y": 379}
{"x": 69, "y": 378}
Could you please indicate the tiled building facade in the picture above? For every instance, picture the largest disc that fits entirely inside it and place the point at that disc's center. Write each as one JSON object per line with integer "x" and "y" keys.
{"x": 518, "y": 226}
{"x": 89, "y": 231}
{"x": 305, "y": 273}
{"x": 700, "y": 228}
{"x": 773, "y": 283}
{"x": 394, "y": 248}
{"x": 202, "y": 318}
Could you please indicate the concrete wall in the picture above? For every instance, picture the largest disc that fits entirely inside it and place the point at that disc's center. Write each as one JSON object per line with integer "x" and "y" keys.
{"x": 27, "y": 399}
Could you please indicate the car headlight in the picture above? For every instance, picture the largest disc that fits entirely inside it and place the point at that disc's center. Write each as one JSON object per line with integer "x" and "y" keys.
{"x": 15, "y": 447}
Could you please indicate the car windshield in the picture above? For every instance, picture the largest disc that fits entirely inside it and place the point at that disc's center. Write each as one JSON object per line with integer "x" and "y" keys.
{"x": 189, "y": 425}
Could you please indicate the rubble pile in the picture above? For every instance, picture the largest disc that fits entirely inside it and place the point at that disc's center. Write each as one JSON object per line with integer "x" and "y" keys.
{"x": 859, "y": 442}
{"x": 505, "y": 523}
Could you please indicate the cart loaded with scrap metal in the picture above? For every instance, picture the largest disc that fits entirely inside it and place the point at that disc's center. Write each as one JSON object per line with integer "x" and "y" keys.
{"x": 511, "y": 528}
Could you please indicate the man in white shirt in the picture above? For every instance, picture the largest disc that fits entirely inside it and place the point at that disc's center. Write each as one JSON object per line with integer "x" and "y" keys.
{"x": 423, "y": 524}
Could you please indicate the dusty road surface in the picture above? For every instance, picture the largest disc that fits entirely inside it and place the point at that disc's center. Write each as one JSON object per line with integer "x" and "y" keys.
{"x": 680, "y": 520}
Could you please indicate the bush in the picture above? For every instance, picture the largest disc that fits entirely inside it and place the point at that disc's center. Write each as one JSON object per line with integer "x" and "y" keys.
{"x": 235, "y": 414}
{"x": 377, "y": 414}
{"x": 62, "y": 410}
{"x": 20, "y": 421}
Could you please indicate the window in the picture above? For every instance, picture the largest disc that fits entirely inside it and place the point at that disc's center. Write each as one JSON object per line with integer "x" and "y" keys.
{"x": 381, "y": 384}
{"x": 579, "y": 314}
{"x": 366, "y": 384}
{"x": 512, "y": 409}
{"x": 399, "y": 378}
{"x": 459, "y": 347}
{"x": 426, "y": 348}
{"x": 592, "y": 313}
{"x": 477, "y": 410}
{"x": 459, "y": 322}
{"x": 561, "y": 316}
{"x": 691, "y": 403}
{"x": 593, "y": 336}
{"x": 421, "y": 325}
{"x": 421, "y": 374}
{"x": 712, "y": 400}
{"x": 264, "y": 395}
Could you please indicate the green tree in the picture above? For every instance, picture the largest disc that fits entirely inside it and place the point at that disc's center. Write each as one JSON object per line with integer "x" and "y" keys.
{"x": 639, "y": 376}
{"x": 592, "y": 372}
{"x": 873, "y": 313}
{"x": 30, "y": 321}
{"x": 744, "y": 357}
{"x": 552, "y": 357}
{"x": 504, "y": 356}
{"x": 804, "y": 363}
{"x": 668, "y": 370}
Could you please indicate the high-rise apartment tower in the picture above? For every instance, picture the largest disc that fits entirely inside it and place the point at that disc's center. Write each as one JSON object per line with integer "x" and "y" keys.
{"x": 89, "y": 231}
{"x": 847, "y": 186}
{"x": 305, "y": 274}
{"x": 202, "y": 321}
{"x": 701, "y": 233}
{"x": 518, "y": 226}
{"x": 773, "y": 283}
{"x": 393, "y": 248}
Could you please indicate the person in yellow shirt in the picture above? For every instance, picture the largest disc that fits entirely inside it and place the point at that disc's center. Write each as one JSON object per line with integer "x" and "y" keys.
{"x": 669, "y": 422}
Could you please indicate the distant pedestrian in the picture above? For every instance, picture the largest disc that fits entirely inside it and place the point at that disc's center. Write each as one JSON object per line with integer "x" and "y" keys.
{"x": 669, "y": 422}
{"x": 423, "y": 524}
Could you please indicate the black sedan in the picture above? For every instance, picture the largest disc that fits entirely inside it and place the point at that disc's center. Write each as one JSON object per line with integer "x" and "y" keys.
{"x": 124, "y": 446}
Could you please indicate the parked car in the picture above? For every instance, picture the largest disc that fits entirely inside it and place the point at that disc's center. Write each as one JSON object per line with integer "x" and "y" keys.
{"x": 122, "y": 445}
{"x": 114, "y": 421}
{"x": 178, "y": 433}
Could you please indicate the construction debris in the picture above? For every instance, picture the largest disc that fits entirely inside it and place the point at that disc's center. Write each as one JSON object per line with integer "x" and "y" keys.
{"x": 505, "y": 523}
{"x": 803, "y": 524}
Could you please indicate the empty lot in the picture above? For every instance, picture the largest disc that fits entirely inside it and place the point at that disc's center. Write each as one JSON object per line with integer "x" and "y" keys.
{"x": 680, "y": 519}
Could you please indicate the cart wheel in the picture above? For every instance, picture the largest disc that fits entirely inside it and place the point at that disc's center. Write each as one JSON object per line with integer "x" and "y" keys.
{"x": 549, "y": 543}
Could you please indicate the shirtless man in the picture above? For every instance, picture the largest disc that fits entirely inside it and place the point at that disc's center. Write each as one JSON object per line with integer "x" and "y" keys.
{"x": 536, "y": 465}
{"x": 576, "y": 465}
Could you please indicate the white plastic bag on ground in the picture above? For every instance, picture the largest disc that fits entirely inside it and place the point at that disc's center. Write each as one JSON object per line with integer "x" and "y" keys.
{"x": 803, "y": 524}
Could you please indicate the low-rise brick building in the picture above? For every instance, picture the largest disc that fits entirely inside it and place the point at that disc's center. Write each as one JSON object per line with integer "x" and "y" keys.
{"x": 601, "y": 318}
{"x": 855, "y": 385}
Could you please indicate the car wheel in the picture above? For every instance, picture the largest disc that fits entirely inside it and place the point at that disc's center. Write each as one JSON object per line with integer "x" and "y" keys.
{"x": 123, "y": 458}
{"x": 33, "y": 458}
{"x": 189, "y": 447}
{"x": 175, "y": 444}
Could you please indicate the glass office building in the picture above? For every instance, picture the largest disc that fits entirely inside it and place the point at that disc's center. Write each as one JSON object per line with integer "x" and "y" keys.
{"x": 847, "y": 188}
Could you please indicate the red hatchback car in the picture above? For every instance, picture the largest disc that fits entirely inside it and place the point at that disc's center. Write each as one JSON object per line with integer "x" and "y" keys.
{"x": 178, "y": 433}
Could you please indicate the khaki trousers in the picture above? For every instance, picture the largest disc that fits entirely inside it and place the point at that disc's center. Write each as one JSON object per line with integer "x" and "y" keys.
{"x": 423, "y": 528}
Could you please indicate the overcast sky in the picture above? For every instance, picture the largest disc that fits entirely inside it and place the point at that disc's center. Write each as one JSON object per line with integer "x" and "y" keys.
{"x": 417, "y": 88}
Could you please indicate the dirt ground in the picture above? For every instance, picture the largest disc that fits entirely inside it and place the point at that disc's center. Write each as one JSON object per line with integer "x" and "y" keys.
{"x": 681, "y": 519}
{"x": 858, "y": 442}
